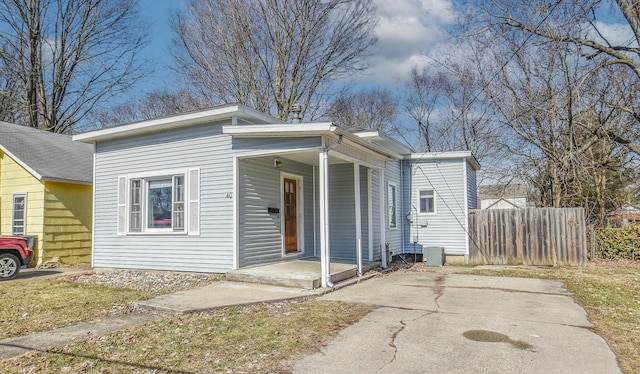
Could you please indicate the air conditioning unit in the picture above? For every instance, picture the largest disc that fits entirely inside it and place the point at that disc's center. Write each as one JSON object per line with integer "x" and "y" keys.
{"x": 433, "y": 256}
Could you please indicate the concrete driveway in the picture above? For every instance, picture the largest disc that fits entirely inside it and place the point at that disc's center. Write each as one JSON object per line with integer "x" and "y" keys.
{"x": 433, "y": 322}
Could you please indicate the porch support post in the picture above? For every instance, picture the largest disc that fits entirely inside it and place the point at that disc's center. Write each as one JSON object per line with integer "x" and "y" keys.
{"x": 356, "y": 194}
{"x": 383, "y": 226}
{"x": 370, "y": 213}
{"x": 323, "y": 179}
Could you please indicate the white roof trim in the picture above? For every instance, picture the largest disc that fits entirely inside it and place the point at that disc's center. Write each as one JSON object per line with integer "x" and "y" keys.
{"x": 319, "y": 128}
{"x": 306, "y": 129}
{"x": 447, "y": 156}
{"x": 176, "y": 121}
{"x": 21, "y": 163}
{"x": 398, "y": 146}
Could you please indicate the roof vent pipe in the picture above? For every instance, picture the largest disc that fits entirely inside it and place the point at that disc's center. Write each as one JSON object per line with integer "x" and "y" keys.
{"x": 296, "y": 111}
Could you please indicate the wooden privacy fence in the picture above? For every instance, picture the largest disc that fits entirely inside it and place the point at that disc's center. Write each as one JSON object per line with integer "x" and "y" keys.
{"x": 537, "y": 236}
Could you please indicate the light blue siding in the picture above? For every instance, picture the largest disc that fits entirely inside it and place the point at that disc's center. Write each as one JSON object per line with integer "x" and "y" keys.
{"x": 202, "y": 147}
{"x": 260, "y": 232}
{"x": 364, "y": 212}
{"x": 242, "y": 146}
{"x": 375, "y": 197}
{"x": 342, "y": 227}
{"x": 472, "y": 189}
{"x": 394, "y": 235}
{"x": 447, "y": 227}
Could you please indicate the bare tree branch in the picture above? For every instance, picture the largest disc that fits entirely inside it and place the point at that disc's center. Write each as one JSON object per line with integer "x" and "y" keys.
{"x": 66, "y": 56}
{"x": 271, "y": 54}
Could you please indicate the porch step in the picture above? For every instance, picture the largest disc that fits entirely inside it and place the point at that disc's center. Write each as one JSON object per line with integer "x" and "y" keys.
{"x": 299, "y": 274}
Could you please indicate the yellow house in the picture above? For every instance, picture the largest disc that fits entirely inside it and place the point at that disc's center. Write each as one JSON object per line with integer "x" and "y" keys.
{"x": 46, "y": 192}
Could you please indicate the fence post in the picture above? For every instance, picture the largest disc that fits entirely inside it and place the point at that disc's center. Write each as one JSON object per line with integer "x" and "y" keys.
{"x": 593, "y": 242}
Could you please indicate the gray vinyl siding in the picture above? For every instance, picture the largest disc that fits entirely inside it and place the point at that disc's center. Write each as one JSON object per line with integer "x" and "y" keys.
{"x": 342, "y": 229}
{"x": 242, "y": 146}
{"x": 260, "y": 232}
{"x": 447, "y": 227}
{"x": 375, "y": 198}
{"x": 472, "y": 189}
{"x": 364, "y": 212}
{"x": 393, "y": 236}
{"x": 202, "y": 147}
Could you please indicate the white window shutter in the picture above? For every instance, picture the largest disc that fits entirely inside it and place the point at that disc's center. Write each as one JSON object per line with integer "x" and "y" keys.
{"x": 194, "y": 201}
{"x": 122, "y": 205}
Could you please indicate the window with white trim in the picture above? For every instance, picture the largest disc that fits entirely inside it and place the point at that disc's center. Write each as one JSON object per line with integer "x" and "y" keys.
{"x": 156, "y": 204}
{"x": 392, "y": 206}
{"x": 427, "y": 201}
{"x": 18, "y": 214}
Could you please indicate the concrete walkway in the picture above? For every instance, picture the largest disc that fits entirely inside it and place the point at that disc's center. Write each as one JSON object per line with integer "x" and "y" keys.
{"x": 456, "y": 323}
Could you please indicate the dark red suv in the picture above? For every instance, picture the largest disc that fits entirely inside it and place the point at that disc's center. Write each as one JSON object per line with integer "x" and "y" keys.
{"x": 14, "y": 252}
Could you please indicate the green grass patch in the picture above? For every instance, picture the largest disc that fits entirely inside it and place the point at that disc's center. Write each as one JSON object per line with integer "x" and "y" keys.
{"x": 263, "y": 338}
{"x": 41, "y": 305}
{"x": 611, "y": 296}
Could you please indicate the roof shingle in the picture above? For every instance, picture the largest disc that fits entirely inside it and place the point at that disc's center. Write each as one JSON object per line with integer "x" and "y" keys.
{"x": 53, "y": 157}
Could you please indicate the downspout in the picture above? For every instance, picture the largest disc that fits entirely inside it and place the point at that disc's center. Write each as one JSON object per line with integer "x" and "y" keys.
{"x": 358, "y": 216}
{"x": 403, "y": 217}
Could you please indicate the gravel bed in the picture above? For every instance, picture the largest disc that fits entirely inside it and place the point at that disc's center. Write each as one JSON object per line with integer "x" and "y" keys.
{"x": 149, "y": 281}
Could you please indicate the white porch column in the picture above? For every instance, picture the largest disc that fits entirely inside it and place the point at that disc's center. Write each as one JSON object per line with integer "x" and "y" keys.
{"x": 370, "y": 212}
{"x": 356, "y": 194}
{"x": 383, "y": 226}
{"x": 323, "y": 179}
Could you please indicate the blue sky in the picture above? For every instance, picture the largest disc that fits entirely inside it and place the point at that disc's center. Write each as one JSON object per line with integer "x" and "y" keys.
{"x": 407, "y": 29}
{"x": 157, "y": 14}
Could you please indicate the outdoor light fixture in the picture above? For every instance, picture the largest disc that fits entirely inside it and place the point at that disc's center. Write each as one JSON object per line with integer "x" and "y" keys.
{"x": 277, "y": 163}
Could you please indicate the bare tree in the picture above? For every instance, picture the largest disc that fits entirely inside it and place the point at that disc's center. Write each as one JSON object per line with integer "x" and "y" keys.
{"x": 155, "y": 104}
{"x": 366, "y": 109}
{"x": 8, "y": 93}
{"x": 272, "y": 54}
{"x": 422, "y": 95}
{"x": 583, "y": 25}
{"x": 451, "y": 111}
{"x": 553, "y": 104}
{"x": 66, "y": 56}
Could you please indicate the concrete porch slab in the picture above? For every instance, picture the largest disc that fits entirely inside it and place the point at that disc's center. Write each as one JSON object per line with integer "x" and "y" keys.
{"x": 303, "y": 273}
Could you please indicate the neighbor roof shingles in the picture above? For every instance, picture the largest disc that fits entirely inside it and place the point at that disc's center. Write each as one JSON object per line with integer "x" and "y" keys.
{"x": 55, "y": 157}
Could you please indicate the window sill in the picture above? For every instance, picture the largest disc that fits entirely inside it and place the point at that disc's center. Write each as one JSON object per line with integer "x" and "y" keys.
{"x": 156, "y": 233}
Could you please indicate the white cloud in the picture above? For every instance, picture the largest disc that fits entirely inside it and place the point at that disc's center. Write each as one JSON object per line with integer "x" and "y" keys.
{"x": 406, "y": 31}
{"x": 615, "y": 33}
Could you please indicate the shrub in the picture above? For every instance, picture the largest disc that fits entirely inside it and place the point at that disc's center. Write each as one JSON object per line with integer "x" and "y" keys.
{"x": 618, "y": 243}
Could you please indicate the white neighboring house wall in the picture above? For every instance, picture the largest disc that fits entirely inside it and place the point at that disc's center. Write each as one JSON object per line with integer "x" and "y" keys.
{"x": 503, "y": 203}
{"x": 503, "y": 196}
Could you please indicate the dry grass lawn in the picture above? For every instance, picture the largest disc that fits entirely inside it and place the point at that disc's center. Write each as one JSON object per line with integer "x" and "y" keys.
{"x": 264, "y": 338}
{"x": 45, "y": 304}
